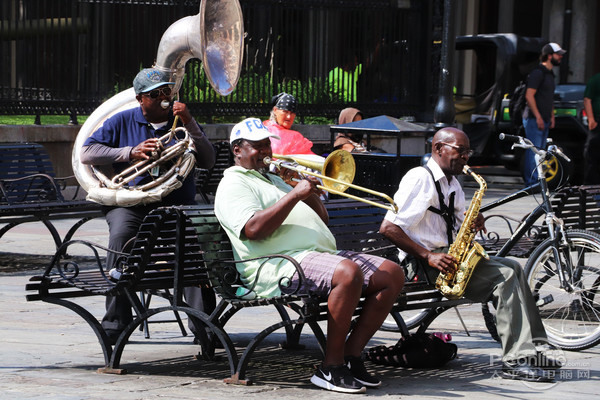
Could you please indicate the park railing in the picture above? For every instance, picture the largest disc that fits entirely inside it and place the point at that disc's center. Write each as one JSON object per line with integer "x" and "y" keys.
{"x": 69, "y": 56}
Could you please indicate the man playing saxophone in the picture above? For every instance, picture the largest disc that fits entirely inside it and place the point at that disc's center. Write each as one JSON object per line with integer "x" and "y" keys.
{"x": 431, "y": 206}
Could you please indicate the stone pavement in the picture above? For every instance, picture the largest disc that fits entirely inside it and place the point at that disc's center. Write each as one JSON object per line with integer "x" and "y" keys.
{"x": 48, "y": 352}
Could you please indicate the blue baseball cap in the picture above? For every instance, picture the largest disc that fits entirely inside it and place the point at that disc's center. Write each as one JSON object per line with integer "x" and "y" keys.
{"x": 149, "y": 79}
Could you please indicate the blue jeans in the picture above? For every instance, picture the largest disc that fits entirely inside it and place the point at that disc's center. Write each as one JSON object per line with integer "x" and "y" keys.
{"x": 538, "y": 138}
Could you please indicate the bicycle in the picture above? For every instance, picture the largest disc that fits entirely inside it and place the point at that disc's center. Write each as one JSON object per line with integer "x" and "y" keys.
{"x": 563, "y": 270}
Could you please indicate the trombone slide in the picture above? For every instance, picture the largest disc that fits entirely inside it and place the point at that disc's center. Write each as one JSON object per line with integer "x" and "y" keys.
{"x": 340, "y": 164}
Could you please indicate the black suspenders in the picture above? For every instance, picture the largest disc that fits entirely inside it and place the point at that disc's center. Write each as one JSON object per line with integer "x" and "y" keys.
{"x": 445, "y": 211}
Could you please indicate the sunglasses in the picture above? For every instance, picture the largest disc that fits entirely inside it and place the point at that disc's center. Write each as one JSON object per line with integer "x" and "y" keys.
{"x": 463, "y": 151}
{"x": 155, "y": 94}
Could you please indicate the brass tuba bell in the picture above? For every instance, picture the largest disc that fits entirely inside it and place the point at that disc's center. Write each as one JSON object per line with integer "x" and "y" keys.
{"x": 215, "y": 36}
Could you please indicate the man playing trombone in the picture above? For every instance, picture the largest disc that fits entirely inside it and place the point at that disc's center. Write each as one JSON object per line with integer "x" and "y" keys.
{"x": 262, "y": 215}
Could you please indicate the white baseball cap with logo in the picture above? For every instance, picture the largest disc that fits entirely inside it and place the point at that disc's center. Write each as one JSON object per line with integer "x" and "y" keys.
{"x": 251, "y": 129}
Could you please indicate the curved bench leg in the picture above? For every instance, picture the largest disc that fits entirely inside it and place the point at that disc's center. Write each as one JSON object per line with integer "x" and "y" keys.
{"x": 92, "y": 322}
{"x": 53, "y": 232}
{"x": 8, "y": 227}
{"x": 400, "y": 322}
{"x": 207, "y": 338}
{"x": 216, "y": 330}
{"x": 240, "y": 375}
{"x": 75, "y": 227}
{"x": 49, "y": 225}
{"x": 431, "y": 316}
{"x": 292, "y": 333}
{"x": 226, "y": 313}
{"x": 294, "y": 336}
{"x": 117, "y": 353}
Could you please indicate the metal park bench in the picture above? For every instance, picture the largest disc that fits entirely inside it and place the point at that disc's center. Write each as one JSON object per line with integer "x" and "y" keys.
{"x": 30, "y": 192}
{"x": 175, "y": 247}
{"x": 577, "y": 206}
{"x": 165, "y": 257}
{"x": 185, "y": 246}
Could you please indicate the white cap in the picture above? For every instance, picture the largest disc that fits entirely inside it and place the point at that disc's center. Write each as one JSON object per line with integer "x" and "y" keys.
{"x": 551, "y": 48}
{"x": 251, "y": 129}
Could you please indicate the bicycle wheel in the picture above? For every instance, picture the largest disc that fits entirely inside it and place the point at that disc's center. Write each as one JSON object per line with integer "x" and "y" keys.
{"x": 412, "y": 319}
{"x": 489, "y": 318}
{"x": 571, "y": 319}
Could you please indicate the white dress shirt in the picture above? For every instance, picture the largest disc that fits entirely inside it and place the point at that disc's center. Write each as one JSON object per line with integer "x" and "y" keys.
{"x": 416, "y": 193}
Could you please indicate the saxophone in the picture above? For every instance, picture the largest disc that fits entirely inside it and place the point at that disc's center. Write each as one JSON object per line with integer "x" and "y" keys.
{"x": 464, "y": 249}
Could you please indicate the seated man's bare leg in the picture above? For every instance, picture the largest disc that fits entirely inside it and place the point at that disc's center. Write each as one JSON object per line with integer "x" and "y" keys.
{"x": 384, "y": 287}
{"x": 345, "y": 292}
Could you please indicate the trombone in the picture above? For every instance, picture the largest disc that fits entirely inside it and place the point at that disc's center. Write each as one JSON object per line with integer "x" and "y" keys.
{"x": 337, "y": 174}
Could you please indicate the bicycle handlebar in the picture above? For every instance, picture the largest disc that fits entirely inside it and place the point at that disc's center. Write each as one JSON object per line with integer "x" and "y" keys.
{"x": 556, "y": 150}
{"x": 510, "y": 138}
{"x": 522, "y": 142}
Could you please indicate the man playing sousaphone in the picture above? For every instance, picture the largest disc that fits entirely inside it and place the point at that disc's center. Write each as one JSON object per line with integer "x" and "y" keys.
{"x": 261, "y": 215}
{"x": 128, "y": 137}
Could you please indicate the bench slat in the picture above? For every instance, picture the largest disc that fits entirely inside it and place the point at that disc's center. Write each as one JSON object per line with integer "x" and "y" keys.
{"x": 29, "y": 191}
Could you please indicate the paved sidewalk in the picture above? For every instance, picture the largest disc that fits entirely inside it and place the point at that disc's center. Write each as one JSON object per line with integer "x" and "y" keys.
{"x": 48, "y": 352}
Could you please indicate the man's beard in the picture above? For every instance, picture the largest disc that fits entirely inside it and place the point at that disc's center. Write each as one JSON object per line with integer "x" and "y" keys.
{"x": 555, "y": 62}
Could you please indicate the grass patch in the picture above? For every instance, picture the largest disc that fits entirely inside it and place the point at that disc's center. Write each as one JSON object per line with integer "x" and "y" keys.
{"x": 44, "y": 119}
{"x": 64, "y": 120}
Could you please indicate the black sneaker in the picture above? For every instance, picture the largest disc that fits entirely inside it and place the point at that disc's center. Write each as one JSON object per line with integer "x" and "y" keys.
{"x": 357, "y": 367}
{"x": 337, "y": 378}
{"x": 540, "y": 360}
{"x": 522, "y": 369}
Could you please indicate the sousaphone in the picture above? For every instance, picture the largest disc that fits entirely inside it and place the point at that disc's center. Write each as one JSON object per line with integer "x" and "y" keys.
{"x": 215, "y": 36}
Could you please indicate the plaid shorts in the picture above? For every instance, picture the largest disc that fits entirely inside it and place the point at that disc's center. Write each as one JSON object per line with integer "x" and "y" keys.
{"x": 319, "y": 268}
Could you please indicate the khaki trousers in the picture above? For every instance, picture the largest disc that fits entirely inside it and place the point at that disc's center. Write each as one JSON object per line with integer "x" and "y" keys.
{"x": 502, "y": 281}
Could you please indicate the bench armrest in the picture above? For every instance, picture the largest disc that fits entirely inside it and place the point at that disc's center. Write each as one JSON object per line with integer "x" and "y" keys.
{"x": 61, "y": 182}
{"x": 389, "y": 252}
{"x": 23, "y": 190}
{"x": 229, "y": 279}
{"x": 65, "y": 266}
{"x": 493, "y": 241}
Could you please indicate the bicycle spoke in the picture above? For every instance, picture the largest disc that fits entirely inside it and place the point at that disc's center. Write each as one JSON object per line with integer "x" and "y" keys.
{"x": 571, "y": 317}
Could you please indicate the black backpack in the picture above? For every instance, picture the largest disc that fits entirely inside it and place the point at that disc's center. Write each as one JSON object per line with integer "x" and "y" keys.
{"x": 418, "y": 350}
{"x": 517, "y": 104}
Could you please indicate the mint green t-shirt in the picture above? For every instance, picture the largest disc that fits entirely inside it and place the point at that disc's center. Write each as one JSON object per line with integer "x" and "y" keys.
{"x": 243, "y": 192}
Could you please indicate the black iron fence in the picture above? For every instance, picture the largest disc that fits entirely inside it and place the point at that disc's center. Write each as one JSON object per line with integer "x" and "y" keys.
{"x": 69, "y": 56}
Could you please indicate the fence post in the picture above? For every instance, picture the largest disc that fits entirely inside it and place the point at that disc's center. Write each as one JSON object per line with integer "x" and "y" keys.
{"x": 73, "y": 117}
{"x": 444, "y": 112}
